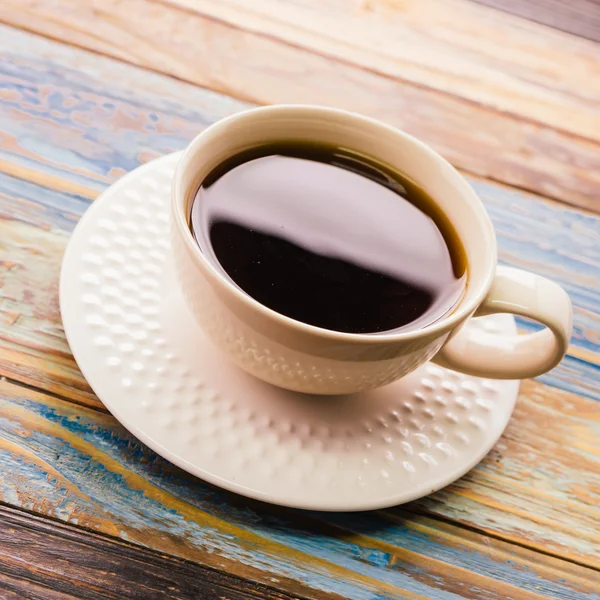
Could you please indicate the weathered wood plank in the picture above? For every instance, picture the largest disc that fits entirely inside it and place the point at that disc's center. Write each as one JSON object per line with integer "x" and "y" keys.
{"x": 80, "y": 466}
{"x": 72, "y": 137}
{"x": 579, "y": 17}
{"x": 524, "y": 509}
{"x": 547, "y": 466}
{"x": 447, "y": 45}
{"x": 66, "y": 134}
{"x": 19, "y": 589}
{"x": 506, "y": 513}
{"x": 261, "y": 67}
{"x": 564, "y": 245}
{"x": 42, "y": 558}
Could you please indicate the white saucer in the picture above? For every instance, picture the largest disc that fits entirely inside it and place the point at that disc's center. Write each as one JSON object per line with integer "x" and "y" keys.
{"x": 152, "y": 367}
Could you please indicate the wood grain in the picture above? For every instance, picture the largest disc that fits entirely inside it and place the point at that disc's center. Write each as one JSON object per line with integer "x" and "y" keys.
{"x": 447, "y": 45}
{"x": 47, "y": 559}
{"x": 484, "y": 501}
{"x": 78, "y": 465}
{"x": 579, "y": 17}
{"x": 534, "y": 151}
{"x": 68, "y": 134}
{"x": 70, "y": 123}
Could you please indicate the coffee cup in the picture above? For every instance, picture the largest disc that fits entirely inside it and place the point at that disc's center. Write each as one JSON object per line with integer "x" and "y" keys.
{"x": 304, "y": 358}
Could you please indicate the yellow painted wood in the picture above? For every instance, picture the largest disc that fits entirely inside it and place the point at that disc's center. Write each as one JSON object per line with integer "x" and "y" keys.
{"x": 53, "y": 182}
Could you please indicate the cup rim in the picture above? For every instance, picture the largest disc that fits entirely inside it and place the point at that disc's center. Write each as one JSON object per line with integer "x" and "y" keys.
{"x": 467, "y": 305}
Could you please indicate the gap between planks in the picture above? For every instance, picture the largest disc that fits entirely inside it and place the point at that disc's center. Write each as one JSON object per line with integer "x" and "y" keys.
{"x": 386, "y": 513}
{"x": 578, "y": 17}
{"x": 551, "y": 568}
{"x": 97, "y": 406}
{"x": 165, "y": 573}
{"x": 492, "y": 534}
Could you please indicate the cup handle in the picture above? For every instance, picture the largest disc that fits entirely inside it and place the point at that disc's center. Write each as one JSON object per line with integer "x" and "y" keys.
{"x": 497, "y": 356}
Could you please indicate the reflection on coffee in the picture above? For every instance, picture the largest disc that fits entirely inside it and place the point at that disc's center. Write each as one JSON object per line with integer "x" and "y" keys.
{"x": 330, "y": 238}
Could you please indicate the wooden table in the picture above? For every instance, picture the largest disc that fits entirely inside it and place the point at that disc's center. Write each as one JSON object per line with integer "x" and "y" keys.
{"x": 508, "y": 90}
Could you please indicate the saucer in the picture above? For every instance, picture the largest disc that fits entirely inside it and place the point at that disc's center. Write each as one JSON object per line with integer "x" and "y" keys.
{"x": 150, "y": 364}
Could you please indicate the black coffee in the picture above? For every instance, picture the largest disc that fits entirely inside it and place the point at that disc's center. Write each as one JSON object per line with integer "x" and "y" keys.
{"x": 330, "y": 238}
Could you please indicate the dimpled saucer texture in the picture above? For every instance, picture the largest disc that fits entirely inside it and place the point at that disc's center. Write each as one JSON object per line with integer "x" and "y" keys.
{"x": 150, "y": 364}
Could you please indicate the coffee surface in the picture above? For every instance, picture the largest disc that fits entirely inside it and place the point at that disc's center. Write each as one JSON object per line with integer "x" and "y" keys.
{"x": 329, "y": 238}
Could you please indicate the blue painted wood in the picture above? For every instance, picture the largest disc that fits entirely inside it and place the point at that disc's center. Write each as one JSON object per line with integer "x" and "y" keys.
{"x": 96, "y": 474}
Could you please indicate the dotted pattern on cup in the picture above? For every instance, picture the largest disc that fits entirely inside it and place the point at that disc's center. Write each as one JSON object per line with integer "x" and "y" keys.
{"x": 286, "y": 366}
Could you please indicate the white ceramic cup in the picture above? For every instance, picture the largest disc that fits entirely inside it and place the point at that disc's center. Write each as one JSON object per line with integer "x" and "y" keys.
{"x": 305, "y": 358}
